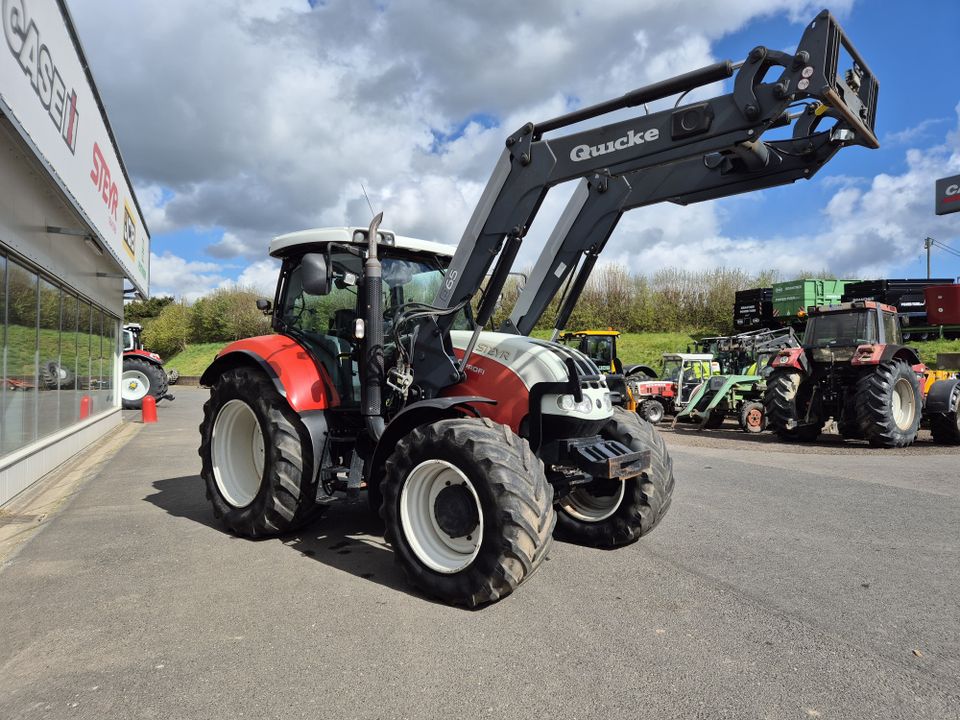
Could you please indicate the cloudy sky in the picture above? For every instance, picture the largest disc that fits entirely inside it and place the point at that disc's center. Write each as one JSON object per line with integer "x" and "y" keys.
{"x": 239, "y": 120}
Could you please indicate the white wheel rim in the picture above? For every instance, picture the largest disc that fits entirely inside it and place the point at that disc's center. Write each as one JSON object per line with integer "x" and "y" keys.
{"x": 136, "y": 385}
{"x": 656, "y": 413}
{"x": 238, "y": 453}
{"x": 433, "y": 547}
{"x": 584, "y": 505}
{"x": 904, "y": 404}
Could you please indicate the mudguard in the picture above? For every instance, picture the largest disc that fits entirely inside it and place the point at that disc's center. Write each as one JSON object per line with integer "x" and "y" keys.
{"x": 901, "y": 352}
{"x": 942, "y": 396}
{"x": 304, "y": 383}
{"x": 794, "y": 358}
{"x": 150, "y": 357}
{"x": 414, "y": 415}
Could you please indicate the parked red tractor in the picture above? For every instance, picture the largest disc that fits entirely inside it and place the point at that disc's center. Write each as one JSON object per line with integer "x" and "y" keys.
{"x": 854, "y": 368}
{"x": 143, "y": 372}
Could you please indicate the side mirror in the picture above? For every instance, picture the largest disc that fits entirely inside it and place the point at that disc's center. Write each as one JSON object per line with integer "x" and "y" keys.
{"x": 264, "y": 306}
{"x": 314, "y": 274}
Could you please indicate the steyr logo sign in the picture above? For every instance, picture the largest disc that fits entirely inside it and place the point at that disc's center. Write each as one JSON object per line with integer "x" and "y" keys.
{"x": 26, "y": 43}
{"x": 948, "y": 195}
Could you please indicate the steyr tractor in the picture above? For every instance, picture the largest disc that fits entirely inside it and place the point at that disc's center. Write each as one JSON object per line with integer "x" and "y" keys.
{"x": 854, "y": 368}
{"x": 601, "y": 347}
{"x": 143, "y": 372}
{"x": 475, "y": 446}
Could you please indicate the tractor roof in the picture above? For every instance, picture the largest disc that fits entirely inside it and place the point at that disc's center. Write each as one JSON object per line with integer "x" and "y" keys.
{"x": 594, "y": 333}
{"x": 851, "y": 306}
{"x": 286, "y": 244}
{"x": 688, "y": 356}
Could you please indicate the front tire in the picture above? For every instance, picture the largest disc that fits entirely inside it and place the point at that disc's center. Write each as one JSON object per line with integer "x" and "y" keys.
{"x": 946, "y": 428}
{"x": 753, "y": 419}
{"x": 611, "y": 514}
{"x": 141, "y": 378}
{"x": 888, "y": 402}
{"x": 652, "y": 411}
{"x": 257, "y": 457}
{"x": 467, "y": 509}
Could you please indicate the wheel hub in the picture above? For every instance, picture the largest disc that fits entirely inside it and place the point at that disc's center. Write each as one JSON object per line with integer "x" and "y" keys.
{"x": 754, "y": 418}
{"x": 455, "y": 511}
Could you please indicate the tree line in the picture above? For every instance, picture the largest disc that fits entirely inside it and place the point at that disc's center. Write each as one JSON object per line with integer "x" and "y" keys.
{"x": 699, "y": 302}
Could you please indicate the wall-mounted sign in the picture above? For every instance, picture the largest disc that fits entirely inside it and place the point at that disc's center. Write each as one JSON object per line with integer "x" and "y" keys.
{"x": 46, "y": 93}
{"x": 948, "y": 195}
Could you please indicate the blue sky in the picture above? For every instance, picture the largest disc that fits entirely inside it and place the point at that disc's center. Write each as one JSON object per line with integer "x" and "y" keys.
{"x": 280, "y": 137}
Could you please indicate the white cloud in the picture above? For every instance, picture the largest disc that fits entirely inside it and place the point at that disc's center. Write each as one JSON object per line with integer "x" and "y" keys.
{"x": 173, "y": 275}
{"x": 261, "y": 117}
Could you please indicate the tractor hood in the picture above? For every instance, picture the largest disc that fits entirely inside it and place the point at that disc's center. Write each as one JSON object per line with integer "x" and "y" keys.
{"x": 532, "y": 360}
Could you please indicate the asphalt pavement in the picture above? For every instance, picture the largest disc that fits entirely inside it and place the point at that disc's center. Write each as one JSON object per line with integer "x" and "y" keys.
{"x": 784, "y": 583}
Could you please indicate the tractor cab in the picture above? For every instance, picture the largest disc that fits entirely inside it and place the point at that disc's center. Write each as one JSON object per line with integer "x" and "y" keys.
{"x": 599, "y": 345}
{"x": 847, "y": 326}
{"x": 131, "y": 337}
{"x": 328, "y": 320}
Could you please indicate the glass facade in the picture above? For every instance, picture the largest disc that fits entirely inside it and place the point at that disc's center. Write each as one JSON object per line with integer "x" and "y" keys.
{"x": 60, "y": 355}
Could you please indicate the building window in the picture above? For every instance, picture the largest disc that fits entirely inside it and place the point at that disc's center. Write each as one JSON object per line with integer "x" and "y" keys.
{"x": 60, "y": 355}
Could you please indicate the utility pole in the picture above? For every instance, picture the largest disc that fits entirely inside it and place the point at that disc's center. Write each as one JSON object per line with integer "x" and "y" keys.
{"x": 928, "y": 243}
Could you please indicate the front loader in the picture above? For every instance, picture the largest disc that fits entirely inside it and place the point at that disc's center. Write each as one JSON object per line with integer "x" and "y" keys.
{"x": 477, "y": 446}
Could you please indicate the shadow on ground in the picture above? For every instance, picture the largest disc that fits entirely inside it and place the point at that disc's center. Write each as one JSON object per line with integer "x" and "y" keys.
{"x": 347, "y": 537}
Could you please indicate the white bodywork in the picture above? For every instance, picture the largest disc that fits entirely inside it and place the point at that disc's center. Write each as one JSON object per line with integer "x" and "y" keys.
{"x": 316, "y": 236}
{"x": 535, "y": 361}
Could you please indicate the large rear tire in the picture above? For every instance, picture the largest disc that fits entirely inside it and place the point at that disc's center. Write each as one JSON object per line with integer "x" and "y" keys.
{"x": 888, "y": 405}
{"x": 467, "y": 509}
{"x": 141, "y": 378}
{"x": 257, "y": 457}
{"x": 786, "y": 402}
{"x": 614, "y": 513}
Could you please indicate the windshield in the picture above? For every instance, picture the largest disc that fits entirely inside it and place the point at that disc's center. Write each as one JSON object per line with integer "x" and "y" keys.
{"x": 406, "y": 279}
{"x": 671, "y": 370}
{"x": 841, "y": 329}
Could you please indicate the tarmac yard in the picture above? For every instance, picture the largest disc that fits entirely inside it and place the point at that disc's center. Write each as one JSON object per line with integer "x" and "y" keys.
{"x": 785, "y": 582}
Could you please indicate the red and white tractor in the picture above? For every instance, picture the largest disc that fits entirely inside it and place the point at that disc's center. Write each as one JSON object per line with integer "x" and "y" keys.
{"x": 475, "y": 445}
{"x": 143, "y": 372}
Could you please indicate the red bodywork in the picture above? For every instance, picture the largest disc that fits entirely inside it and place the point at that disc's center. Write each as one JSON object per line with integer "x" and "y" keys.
{"x": 145, "y": 354}
{"x": 488, "y": 378}
{"x": 788, "y": 358}
{"x": 307, "y": 385}
{"x": 659, "y": 388}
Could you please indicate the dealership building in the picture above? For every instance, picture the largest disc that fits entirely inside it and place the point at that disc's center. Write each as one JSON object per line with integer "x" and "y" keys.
{"x": 72, "y": 238}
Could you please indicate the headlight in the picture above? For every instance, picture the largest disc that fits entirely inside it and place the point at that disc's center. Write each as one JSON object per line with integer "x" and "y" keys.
{"x": 567, "y": 403}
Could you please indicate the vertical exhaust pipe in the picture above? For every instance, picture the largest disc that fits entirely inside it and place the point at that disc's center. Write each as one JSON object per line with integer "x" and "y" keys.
{"x": 372, "y": 379}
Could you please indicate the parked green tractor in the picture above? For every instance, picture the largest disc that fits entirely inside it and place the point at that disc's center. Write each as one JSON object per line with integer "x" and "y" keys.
{"x": 739, "y": 392}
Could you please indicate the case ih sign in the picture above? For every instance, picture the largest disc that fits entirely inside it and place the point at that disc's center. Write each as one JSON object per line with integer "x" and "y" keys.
{"x": 948, "y": 195}
{"x": 47, "y": 95}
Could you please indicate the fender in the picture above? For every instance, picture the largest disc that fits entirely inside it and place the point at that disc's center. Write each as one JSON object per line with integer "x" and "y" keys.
{"x": 794, "y": 358}
{"x": 900, "y": 352}
{"x": 631, "y": 370}
{"x": 304, "y": 383}
{"x": 413, "y": 416}
{"x": 150, "y": 357}
{"x": 942, "y": 397}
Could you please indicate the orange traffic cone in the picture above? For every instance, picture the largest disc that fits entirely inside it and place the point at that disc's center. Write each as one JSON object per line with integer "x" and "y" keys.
{"x": 149, "y": 409}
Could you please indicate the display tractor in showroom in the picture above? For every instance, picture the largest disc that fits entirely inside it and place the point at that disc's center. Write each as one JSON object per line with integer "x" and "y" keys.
{"x": 854, "y": 368}
{"x": 143, "y": 372}
{"x": 477, "y": 445}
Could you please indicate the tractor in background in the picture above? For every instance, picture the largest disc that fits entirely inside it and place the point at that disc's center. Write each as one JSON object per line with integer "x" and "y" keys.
{"x": 853, "y": 367}
{"x": 739, "y": 390}
{"x": 679, "y": 380}
{"x": 601, "y": 347}
{"x": 143, "y": 371}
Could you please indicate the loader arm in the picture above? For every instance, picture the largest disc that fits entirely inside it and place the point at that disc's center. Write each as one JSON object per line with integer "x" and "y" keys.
{"x": 598, "y": 203}
{"x": 732, "y": 123}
